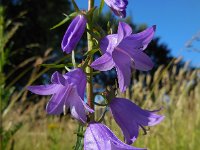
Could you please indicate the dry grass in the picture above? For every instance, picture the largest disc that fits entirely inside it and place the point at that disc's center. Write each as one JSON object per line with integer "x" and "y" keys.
{"x": 178, "y": 92}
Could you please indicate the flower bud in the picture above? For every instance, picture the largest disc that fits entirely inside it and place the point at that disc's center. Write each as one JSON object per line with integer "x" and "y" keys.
{"x": 73, "y": 33}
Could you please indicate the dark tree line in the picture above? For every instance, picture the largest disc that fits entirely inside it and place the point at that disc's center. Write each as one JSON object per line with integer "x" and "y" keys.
{"x": 34, "y": 37}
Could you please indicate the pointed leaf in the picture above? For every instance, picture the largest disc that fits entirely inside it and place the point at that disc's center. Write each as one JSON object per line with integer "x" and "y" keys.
{"x": 73, "y": 59}
{"x": 75, "y": 6}
{"x": 90, "y": 53}
{"x": 101, "y": 7}
{"x": 53, "y": 65}
{"x": 91, "y": 11}
{"x": 61, "y": 23}
{"x": 68, "y": 17}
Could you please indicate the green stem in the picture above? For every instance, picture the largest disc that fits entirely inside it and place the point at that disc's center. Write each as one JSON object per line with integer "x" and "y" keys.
{"x": 88, "y": 69}
{"x": 79, "y": 144}
{"x": 103, "y": 115}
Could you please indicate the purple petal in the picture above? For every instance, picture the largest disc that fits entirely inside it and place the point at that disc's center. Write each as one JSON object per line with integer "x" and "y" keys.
{"x": 108, "y": 43}
{"x": 57, "y": 78}
{"x": 138, "y": 41}
{"x": 56, "y": 103}
{"x": 100, "y": 137}
{"x": 117, "y": 4}
{"x": 142, "y": 61}
{"x": 103, "y": 63}
{"x": 124, "y": 30}
{"x": 145, "y": 36}
{"x": 95, "y": 138}
{"x": 130, "y": 45}
{"x": 118, "y": 7}
{"x": 87, "y": 108}
{"x": 77, "y": 78}
{"x": 76, "y": 106}
{"x": 123, "y": 66}
{"x": 129, "y": 117}
{"x": 73, "y": 33}
{"x": 44, "y": 89}
{"x": 120, "y": 13}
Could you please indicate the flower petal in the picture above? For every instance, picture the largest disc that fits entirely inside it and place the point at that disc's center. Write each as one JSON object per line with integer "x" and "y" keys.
{"x": 123, "y": 66}
{"x": 87, "y": 108}
{"x": 137, "y": 42}
{"x": 108, "y": 43}
{"x": 145, "y": 36}
{"x": 142, "y": 61}
{"x": 129, "y": 117}
{"x": 57, "y": 78}
{"x": 95, "y": 138}
{"x": 120, "y": 13}
{"x": 44, "y": 89}
{"x": 100, "y": 137}
{"x": 117, "y": 4}
{"x": 56, "y": 103}
{"x": 130, "y": 45}
{"x": 118, "y": 7}
{"x": 103, "y": 63}
{"x": 77, "y": 78}
{"x": 76, "y": 106}
{"x": 129, "y": 128}
{"x": 124, "y": 30}
{"x": 73, "y": 33}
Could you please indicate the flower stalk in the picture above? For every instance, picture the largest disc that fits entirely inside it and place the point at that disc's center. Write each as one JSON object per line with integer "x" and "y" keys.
{"x": 89, "y": 70}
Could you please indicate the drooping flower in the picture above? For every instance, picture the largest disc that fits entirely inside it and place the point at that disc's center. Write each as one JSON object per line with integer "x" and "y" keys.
{"x": 124, "y": 51}
{"x": 67, "y": 92}
{"x": 118, "y": 7}
{"x": 73, "y": 33}
{"x": 100, "y": 137}
{"x": 131, "y": 117}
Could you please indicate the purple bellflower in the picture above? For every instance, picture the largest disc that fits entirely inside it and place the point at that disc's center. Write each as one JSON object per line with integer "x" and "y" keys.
{"x": 73, "y": 33}
{"x": 124, "y": 51}
{"x": 130, "y": 117}
{"x": 67, "y": 92}
{"x": 118, "y": 7}
{"x": 100, "y": 137}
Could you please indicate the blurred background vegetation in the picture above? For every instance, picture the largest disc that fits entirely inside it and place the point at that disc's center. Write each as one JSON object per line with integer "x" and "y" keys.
{"x": 26, "y": 42}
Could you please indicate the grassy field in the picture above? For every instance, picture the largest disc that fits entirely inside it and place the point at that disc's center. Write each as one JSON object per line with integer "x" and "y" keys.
{"x": 176, "y": 91}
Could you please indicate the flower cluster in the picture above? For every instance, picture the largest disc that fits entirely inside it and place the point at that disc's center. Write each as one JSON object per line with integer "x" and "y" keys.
{"x": 122, "y": 51}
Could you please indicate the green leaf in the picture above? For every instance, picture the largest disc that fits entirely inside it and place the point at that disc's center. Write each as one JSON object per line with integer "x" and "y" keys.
{"x": 60, "y": 23}
{"x": 68, "y": 69}
{"x": 73, "y": 59}
{"x": 93, "y": 35}
{"x": 90, "y": 53}
{"x": 79, "y": 139}
{"x": 91, "y": 11}
{"x": 101, "y": 30}
{"x": 75, "y": 6}
{"x": 101, "y": 7}
{"x": 68, "y": 17}
{"x": 56, "y": 66}
{"x": 93, "y": 73}
{"x": 72, "y": 15}
{"x": 8, "y": 134}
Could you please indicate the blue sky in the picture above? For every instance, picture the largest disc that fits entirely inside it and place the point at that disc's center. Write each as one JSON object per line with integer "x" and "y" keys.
{"x": 177, "y": 22}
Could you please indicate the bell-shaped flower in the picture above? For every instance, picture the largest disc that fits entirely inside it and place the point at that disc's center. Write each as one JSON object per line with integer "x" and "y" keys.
{"x": 100, "y": 137}
{"x": 67, "y": 92}
{"x": 124, "y": 51}
{"x": 73, "y": 33}
{"x": 131, "y": 117}
{"x": 118, "y": 7}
